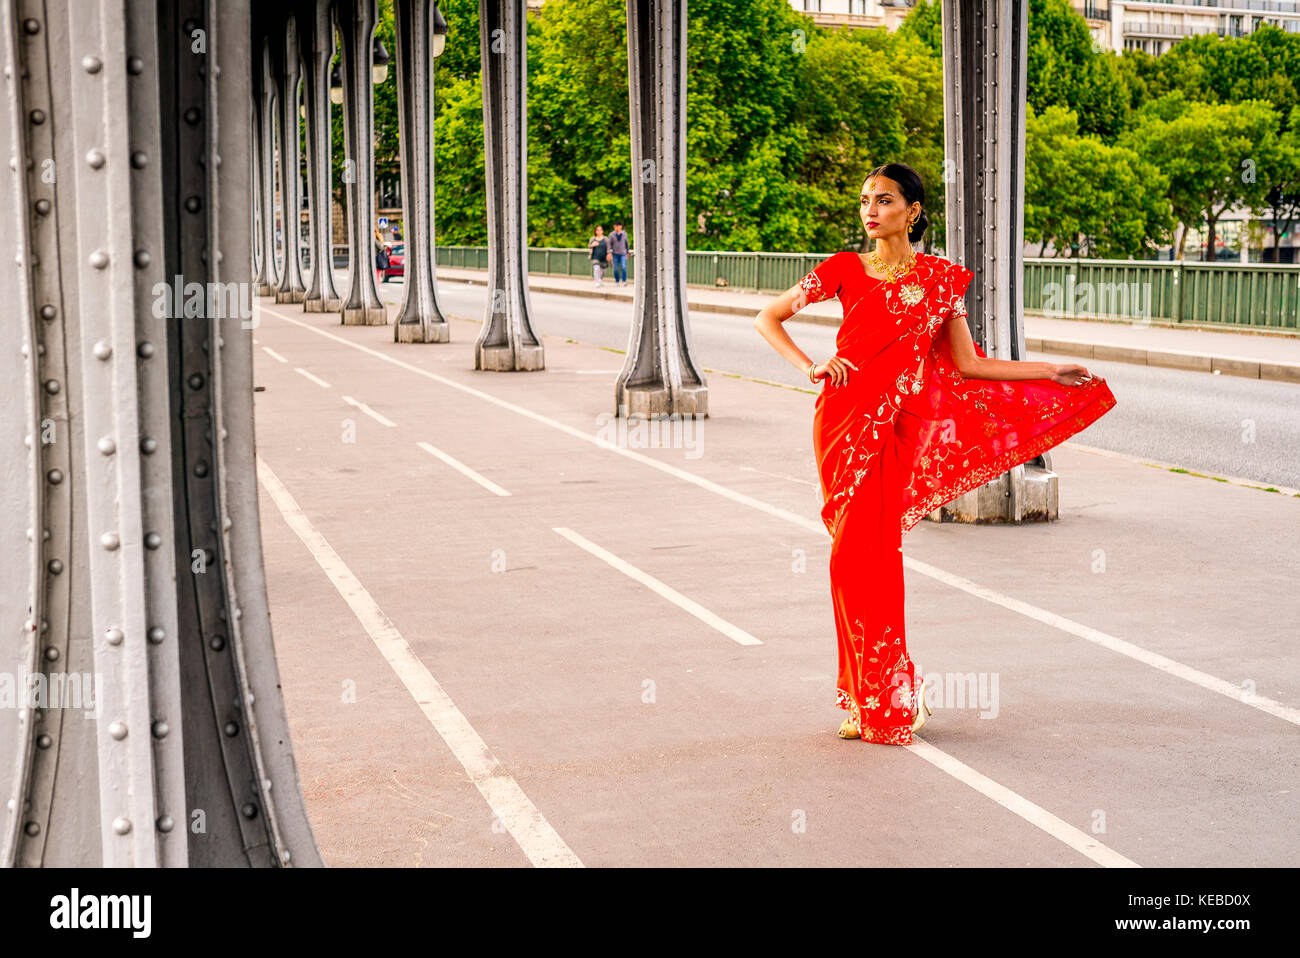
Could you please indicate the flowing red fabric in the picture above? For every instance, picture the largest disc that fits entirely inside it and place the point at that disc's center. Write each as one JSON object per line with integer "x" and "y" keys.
{"x": 906, "y": 434}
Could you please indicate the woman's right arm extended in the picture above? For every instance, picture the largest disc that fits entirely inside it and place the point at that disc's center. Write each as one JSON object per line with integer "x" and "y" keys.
{"x": 770, "y": 322}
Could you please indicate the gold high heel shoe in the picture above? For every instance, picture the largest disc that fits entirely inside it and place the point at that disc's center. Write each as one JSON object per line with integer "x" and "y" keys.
{"x": 849, "y": 730}
{"x": 922, "y": 709}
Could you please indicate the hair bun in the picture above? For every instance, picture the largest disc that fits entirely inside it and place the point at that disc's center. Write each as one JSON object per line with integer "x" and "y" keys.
{"x": 919, "y": 227}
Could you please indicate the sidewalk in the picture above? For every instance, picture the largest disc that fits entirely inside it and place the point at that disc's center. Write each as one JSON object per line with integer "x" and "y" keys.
{"x": 1254, "y": 355}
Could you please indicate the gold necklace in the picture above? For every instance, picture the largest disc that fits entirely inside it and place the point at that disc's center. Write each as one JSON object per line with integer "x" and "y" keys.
{"x": 895, "y": 272}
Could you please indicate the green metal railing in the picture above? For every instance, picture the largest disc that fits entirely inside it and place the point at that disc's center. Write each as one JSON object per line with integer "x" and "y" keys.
{"x": 1232, "y": 295}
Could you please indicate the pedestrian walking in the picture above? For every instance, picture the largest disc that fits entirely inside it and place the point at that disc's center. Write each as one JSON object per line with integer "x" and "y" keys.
{"x": 600, "y": 257}
{"x": 618, "y": 253}
{"x": 381, "y": 256}
{"x": 911, "y": 414}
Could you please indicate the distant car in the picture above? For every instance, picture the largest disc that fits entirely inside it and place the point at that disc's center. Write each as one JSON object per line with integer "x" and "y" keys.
{"x": 396, "y": 262}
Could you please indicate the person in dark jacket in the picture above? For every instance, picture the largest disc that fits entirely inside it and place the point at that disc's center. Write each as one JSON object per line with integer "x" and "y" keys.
{"x": 618, "y": 253}
{"x": 600, "y": 256}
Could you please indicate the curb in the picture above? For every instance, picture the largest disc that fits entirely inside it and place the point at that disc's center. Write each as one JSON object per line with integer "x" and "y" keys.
{"x": 1167, "y": 358}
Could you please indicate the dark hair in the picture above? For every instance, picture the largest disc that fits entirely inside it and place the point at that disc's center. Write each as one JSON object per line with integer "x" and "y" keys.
{"x": 909, "y": 181}
{"x": 618, "y": 222}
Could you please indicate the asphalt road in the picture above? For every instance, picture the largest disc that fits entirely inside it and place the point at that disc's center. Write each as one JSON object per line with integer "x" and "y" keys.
{"x": 1219, "y": 425}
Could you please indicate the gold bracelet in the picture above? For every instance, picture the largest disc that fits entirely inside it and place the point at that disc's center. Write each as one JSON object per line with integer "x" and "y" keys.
{"x": 810, "y": 371}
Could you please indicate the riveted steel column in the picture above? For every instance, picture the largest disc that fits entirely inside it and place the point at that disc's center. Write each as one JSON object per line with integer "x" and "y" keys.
{"x": 357, "y": 20}
{"x": 264, "y": 85}
{"x": 288, "y": 70}
{"x": 420, "y": 320}
{"x": 659, "y": 377}
{"x": 255, "y": 197}
{"x": 506, "y": 341}
{"x": 316, "y": 47}
{"x": 22, "y": 482}
{"x": 984, "y": 68}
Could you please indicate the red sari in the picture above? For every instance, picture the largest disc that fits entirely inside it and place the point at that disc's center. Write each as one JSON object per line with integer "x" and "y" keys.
{"x": 906, "y": 434}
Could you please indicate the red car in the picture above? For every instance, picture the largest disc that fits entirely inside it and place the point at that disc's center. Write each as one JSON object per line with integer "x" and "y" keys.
{"x": 396, "y": 262}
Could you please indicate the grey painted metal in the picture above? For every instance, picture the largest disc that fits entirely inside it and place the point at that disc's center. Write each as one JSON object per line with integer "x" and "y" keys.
{"x": 264, "y": 87}
{"x": 254, "y": 199}
{"x": 22, "y": 521}
{"x": 420, "y": 319}
{"x": 506, "y": 340}
{"x": 984, "y": 66}
{"x": 659, "y": 377}
{"x": 288, "y": 72}
{"x": 316, "y": 47}
{"x": 356, "y": 22}
{"x": 131, "y": 169}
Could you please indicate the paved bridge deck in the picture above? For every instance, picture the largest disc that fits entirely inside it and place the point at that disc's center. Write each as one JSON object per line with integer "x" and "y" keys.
{"x": 499, "y": 646}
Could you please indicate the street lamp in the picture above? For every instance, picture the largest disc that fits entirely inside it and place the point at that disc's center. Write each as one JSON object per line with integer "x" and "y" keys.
{"x": 439, "y": 32}
{"x": 336, "y": 83}
{"x": 379, "y": 71}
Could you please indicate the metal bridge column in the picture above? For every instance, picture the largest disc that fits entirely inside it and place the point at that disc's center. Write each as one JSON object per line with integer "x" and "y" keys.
{"x": 659, "y": 377}
{"x": 984, "y": 69}
{"x": 507, "y": 340}
{"x": 268, "y": 278}
{"x": 316, "y": 45}
{"x": 420, "y": 320}
{"x": 288, "y": 70}
{"x": 357, "y": 20}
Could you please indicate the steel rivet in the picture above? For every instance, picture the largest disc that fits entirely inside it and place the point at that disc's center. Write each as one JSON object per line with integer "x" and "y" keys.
{"x": 37, "y": 117}
{"x": 110, "y": 541}
{"x": 114, "y": 636}
{"x": 165, "y": 823}
{"x": 192, "y": 116}
{"x": 107, "y": 446}
{"x": 121, "y": 825}
{"x": 196, "y": 381}
{"x": 160, "y": 729}
{"x": 32, "y": 27}
{"x": 142, "y": 258}
{"x": 192, "y": 204}
{"x": 48, "y": 312}
{"x": 231, "y": 729}
{"x": 134, "y": 66}
{"x": 217, "y": 643}
{"x": 103, "y": 350}
{"x": 152, "y": 541}
{"x": 156, "y": 634}
{"x": 55, "y": 566}
{"x": 117, "y": 730}
{"x": 249, "y": 810}
{"x": 32, "y": 829}
{"x": 147, "y": 445}
{"x": 99, "y": 259}
{"x": 200, "y": 469}
{"x": 44, "y": 741}
{"x": 96, "y": 159}
{"x": 52, "y": 654}
{"x": 55, "y": 477}
{"x": 52, "y": 386}
{"x": 145, "y": 350}
{"x": 91, "y": 64}
{"x": 42, "y": 206}
{"x": 284, "y": 855}
{"x": 139, "y": 160}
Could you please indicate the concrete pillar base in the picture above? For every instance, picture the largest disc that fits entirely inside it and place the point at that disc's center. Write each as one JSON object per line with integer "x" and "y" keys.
{"x": 290, "y": 295}
{"x": 321, "y": 305}
{"x": 365, "y": 316}
{"x": 264, "y": 289}
{"x": 1036, "y": 499}
{"x": 502, "y": 359}
{"x": 656, "y": 401}
{"x": 422, "y": 333}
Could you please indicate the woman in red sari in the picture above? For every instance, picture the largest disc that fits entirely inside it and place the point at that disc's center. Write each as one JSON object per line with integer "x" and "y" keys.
{"x": 911, "y": 415}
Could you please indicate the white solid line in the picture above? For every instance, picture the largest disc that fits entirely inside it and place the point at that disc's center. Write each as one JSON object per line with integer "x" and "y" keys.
{"x": 483, "y": 481}
{"x": 521, "y": 818}
{"x": 369, "y": 412}
{"x": 669, "y": 593}
{"x": 316, "y": 379}
{"x": 1062, "y": 831}
{"x": 792, "y": 517}
{"x": 273, "y": 354}
{"x": 1201, "y": 679}
{"x": 1107, "y": 641}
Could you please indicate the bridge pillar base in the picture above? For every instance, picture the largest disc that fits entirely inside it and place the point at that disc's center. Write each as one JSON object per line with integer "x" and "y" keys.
{"x": 422, "y": 332}
{"x": 658, "y": 401}
{"x": 365, "y": 316}
{"x": 290, "y": 295}
{"x": 321, "y": 305}
{"x": 527, "y": 358}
